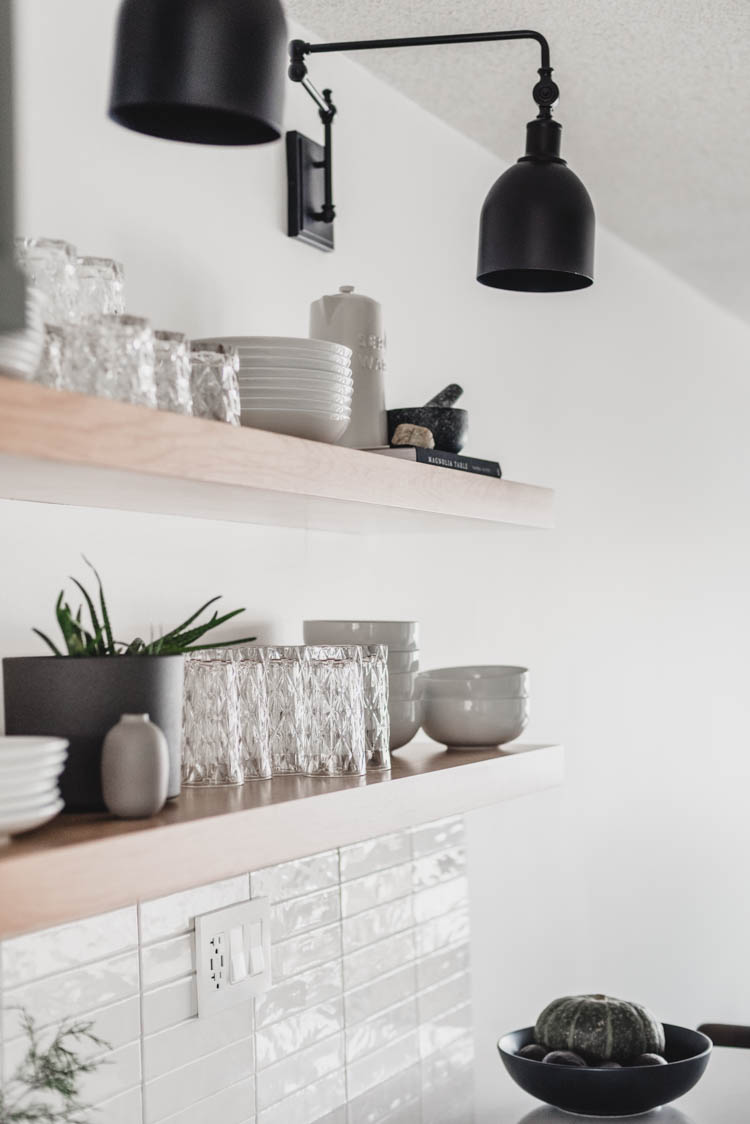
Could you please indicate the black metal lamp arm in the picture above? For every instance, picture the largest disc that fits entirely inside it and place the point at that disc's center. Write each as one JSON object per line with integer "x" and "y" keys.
{"x": 545, "y": 91}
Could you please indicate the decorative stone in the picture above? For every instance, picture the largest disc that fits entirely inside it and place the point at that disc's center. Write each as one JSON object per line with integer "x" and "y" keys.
{"x": 135, "y": 768}
{"x": 650, "y": 1059}
{"x": 534, "y": 1052}
{"x": 564, "y": 1057}
{"x": 418, "y": 436}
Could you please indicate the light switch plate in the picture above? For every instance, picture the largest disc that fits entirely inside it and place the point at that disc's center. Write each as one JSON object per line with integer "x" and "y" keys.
{"x": 233, "y": 955}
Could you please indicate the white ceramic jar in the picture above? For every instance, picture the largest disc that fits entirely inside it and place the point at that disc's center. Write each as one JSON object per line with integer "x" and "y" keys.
{"x": 357, "y": 321}
{"x": 135, "y": 768}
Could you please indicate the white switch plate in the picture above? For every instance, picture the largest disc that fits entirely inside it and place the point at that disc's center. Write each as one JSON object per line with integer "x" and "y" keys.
{"x": 233, "y": 955}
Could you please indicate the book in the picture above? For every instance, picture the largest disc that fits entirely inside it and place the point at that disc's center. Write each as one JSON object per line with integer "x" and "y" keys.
{"x": 443, "y": 460}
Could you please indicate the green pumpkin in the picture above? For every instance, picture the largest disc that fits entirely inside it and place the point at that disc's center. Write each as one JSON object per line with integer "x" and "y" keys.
{"x": 599, "y": 1028}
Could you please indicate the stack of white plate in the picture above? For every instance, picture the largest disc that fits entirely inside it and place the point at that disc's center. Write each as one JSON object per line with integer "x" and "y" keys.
{"x": 20, "y": 352}
{"x": 291, "y": 385}
{"x": 402, "y": 639}
{"x": 29, "y": 771}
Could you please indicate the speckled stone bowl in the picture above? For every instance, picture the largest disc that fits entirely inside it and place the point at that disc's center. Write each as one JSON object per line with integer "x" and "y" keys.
{"x": 447, "y": 424}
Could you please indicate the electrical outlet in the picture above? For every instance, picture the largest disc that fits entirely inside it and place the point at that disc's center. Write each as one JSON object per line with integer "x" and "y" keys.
{"x": 233, "y": 955}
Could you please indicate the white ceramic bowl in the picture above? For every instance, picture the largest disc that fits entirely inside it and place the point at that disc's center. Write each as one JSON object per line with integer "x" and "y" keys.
{"x": 406, "y": 718}
{"x": 470, "y": 723}
{"x": 299, "y": 378}
{"x": 403, "y": 685}
{"x": 488, "y": 681}
{"x": 15, "y": 823}
{"x": 296, "y": 402}
{"x": 284, "y": 343}
{"x": 314, "y": 425}
{"x": 335, "y": 397}
{"x": 273, "y": 374}
{"x": 298, "y": 360}
{"x": 401, "y": 635}
{"x": 30, "y": 749}
{"x": 403, "y": 661}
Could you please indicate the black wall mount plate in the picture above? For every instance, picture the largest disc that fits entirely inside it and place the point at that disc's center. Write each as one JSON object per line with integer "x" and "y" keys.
{"x": 306, "y": 191}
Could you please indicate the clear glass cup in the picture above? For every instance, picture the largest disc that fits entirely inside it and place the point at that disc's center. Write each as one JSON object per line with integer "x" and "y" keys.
{"x": 252, "y": 696}
{"x": 214, "y": 385}
{"x": 50, "y": 266}
{"x": 112, "y": 357}
{"x": 286, "y": 707}
{"x": 211, "y": 745}
{"x": 51, "y": 370}
{"x": 101, "y": 288}
{"x": 172, "y": 372}
{"x": 376, "y": 695}
{"x": 334, "y": 742}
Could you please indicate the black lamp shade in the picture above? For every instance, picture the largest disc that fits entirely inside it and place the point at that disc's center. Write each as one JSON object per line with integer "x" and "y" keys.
{"x": 206, "y": 71}
{"x": 536, "y": 230}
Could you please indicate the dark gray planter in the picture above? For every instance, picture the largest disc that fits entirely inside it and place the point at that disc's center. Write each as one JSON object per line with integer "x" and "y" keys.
{"x": 81, "y": 699}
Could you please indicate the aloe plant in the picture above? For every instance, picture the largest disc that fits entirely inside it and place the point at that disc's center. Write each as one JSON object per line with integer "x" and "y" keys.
{"x": 97, "y": 639}
{"x": 46, "y": 1086}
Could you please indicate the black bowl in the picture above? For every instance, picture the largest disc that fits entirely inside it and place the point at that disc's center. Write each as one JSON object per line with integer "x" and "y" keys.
{"x": 447, "y": 424}
{"x": 610, "y": 1092}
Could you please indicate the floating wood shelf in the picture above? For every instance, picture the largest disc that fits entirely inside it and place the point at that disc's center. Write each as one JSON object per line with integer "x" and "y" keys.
{"x": 80, "y": 865}
{"x": 65, "y": 448}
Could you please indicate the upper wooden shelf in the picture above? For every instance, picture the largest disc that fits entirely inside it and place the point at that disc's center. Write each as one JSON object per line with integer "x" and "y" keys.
{"x": 65, "y": 448}
{"x": 84, "y": 864}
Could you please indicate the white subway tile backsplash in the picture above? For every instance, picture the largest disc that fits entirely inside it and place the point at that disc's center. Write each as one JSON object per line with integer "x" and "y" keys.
{"x": 191, "y": 1040}
{"x": 54, "y": 998}
{"x": 292, "y": 879}
{"x": 175, "y": 914}
{"x": 368, "y": 1018}
{"x": 302, "y": 1069}
{"x": 181, "y": 1088}
{"x": 300, "y": 914}
{"x": 65, "y": 947}
{"x": 287, "y": 1036}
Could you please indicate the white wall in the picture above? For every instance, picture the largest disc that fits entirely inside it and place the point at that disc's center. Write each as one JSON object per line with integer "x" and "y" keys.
{"x": 630, "y": 399}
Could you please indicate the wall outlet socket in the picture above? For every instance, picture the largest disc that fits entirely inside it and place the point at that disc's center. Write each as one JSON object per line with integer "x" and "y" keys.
{"x": 233, "y": 955}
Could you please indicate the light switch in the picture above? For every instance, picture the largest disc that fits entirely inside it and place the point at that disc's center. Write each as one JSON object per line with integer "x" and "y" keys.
{"x": 233, "y": 955}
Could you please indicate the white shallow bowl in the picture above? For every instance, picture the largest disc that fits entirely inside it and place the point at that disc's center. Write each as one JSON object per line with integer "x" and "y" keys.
{"x": 275, "y": 343}
{"x": 329, "y": 409}
{"x": 29, "y": 784}
{"x": 299, "y": 377}
{"x": 314, "y": 425}
{"x": 315, "y": 394}
{"x": 19, "y": 749}
{"x": 471, "y": 723}
{"x": 406, "y": 718}
{"x": 499, "y": 681}
{"x": 22, "y": 771}
{"x": 273, "y": 374}
{"x": 399, "y": 662}
{"x": 17, "y": 823}
{"x": 300, "y": 360}
{"x": 28, "y": 802}
{"x": 401, "y": 635}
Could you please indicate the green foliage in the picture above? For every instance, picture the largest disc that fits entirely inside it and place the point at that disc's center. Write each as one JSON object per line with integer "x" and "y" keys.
{"x": 45, "y": 1089}
{"x": 97, "y": 639}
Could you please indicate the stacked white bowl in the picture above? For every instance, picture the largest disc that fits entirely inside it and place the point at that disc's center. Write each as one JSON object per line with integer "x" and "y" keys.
{"x": 475, "y": 706}
{"x": 402, "y": 639}
{"x": 20, "y": 352}
{"x": 292, "y": 385}
{"x": 29, "y": 772}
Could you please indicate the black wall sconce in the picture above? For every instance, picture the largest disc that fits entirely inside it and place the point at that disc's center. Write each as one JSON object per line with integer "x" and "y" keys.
{"x": 212, "y": 72}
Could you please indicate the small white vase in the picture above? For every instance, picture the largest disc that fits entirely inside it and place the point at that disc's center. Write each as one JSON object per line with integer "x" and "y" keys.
{"x": 135, "y": 768}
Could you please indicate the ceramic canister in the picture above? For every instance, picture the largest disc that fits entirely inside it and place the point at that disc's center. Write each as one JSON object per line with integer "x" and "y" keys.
{"x": 357, "y": 321}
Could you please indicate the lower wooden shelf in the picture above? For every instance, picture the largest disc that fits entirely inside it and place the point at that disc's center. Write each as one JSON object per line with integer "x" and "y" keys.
{"x": 85, "y": 864}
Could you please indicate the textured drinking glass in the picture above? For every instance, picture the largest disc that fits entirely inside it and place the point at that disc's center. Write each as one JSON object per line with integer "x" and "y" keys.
{"x": 50, "y": 266}
{"x": 211, "y": 743}
{"x": 252, "y": 696}
{"x": 51, "y": 370}
{"x": 113, "y": 357}
{"x": 334, "y": 742}
{"x": 377, "y": 717}
{"x": 286, "y": 707}
{"x": 172, "y": 372}
{"x": 100, "y": 288}
{"x": 214, "y": 385}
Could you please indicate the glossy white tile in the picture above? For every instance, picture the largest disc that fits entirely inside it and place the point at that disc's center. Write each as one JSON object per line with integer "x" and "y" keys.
{"x": 381, "y": 992}
{"x": 374, "y": 924}
{"x": 123, "y": 1109}
{"x": 372, "y": 1069}
{"x": 182, "y": 1088}
{"x": 396, "y": 1099}
{"x": 293, "y": 879}
{"x": 371, "y": 1035}
{"x": 53, "y": 998}
{"x": 306, "y": 951}
{"x": 444, "y": 997}
{"x": 441, "y": 965}
{"x": 302, "y": 1069}
{"x": 166, "y": 1006}
{"x": 439, "y": 867}
{"x": 191, "y": 1040}
{"x": 51, "y": 951}
{"x": 287, "y": 1036}
{"x": 121, "y": 1070}
{"x": 311, "y": 1103}
{"x": 445, "y": 898}
{"x": 167, "y": 960}
{"x": 451, "y": 928}
{"x": 299, "y": 993}
{"x": 441, "y": 1031}
{"x": 375, "y": 889}
{"x": 297, "y": 915}
{"x": 115, "y": 1026}
{"x": 173, "y": 915}
{"x": 233, "y": 1105}
{"x": 370, "y": 962}
{"x": 437, "y": 836}
{"x": 374, "y": 854}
